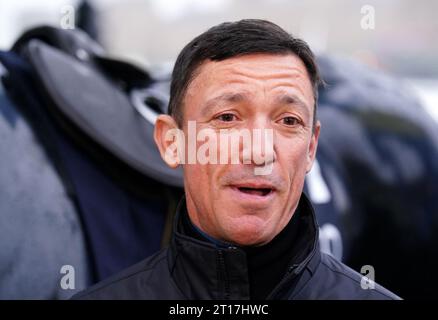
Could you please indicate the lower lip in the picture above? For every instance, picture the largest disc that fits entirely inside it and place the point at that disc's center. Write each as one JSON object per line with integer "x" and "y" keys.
{"x": 251, "y": 198}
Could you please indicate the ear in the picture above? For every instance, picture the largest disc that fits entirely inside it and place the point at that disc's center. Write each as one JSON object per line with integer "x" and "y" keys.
{"x": 313, "y": 146}
{"x": 167, "y": 136}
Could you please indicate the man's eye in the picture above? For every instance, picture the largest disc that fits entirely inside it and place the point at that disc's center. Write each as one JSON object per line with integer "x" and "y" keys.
{"x": 290, "y": 121}
{"x": 226, "y": 117}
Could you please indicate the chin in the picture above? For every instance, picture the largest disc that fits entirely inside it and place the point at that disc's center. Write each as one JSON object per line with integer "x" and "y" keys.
{"x": 249, "y": 236}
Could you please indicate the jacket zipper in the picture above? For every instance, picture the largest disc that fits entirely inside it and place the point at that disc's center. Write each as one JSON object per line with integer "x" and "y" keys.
{"x": 223, "y": 273}
{"x": 289, "y": 275}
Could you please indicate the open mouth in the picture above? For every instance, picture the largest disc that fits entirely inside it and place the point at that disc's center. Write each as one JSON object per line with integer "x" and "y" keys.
{"x": 255, "y": 191}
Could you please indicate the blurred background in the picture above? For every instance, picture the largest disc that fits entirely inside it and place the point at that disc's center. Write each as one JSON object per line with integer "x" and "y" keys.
{"x": 152, "y": 32}
{"x": 68, "y": 199}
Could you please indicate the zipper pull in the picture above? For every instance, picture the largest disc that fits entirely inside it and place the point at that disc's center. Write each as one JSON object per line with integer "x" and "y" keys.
{"x": 292, "y": 268}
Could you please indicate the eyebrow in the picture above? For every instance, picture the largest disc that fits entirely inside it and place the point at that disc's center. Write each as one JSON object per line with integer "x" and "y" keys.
{"x": 291, "y": 99}
{"x": 235, "y": 97}
{"x": 232, "y": 97}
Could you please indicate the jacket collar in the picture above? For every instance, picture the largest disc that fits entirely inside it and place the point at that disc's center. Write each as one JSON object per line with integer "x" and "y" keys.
{"x": 202, "y": 270}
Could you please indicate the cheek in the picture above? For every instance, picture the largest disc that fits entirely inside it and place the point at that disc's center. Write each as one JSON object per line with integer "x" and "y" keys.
{"x": 293, "y": 159}
{"x": 295, "y": 150}
{"x": 199, "y": 179}
{"x": 195, "y": 176}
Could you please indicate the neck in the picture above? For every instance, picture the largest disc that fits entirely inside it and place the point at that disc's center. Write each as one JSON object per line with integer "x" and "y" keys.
{"x": 201, "y": 235}
{"x": 267, "y": 263}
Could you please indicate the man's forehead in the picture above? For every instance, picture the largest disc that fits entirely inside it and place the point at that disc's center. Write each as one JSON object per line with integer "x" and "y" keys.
{"x": 288, "y": 64}
{"x": 231, "y": 75}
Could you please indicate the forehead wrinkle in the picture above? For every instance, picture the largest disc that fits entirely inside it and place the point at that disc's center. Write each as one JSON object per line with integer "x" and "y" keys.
{"x": 269, "y": 81}
{"x": 265, "y": 76}
{"x": 240, "y": 72}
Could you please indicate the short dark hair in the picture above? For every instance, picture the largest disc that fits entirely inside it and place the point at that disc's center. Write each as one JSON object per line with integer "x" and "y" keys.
{"x": 231, "y": 39}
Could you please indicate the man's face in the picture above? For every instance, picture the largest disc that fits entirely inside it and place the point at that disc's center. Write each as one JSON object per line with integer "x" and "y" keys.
{"x": 257, "y": 91}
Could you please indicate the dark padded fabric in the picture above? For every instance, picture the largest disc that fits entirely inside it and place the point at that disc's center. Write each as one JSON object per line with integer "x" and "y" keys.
{"x": 113, "y": 218}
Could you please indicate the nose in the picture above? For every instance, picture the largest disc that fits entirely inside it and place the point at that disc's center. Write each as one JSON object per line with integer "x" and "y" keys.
{"x": 261, "y": 151}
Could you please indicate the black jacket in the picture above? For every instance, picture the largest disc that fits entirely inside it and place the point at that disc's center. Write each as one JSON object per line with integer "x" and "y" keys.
{"x": 194, "y": 269}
